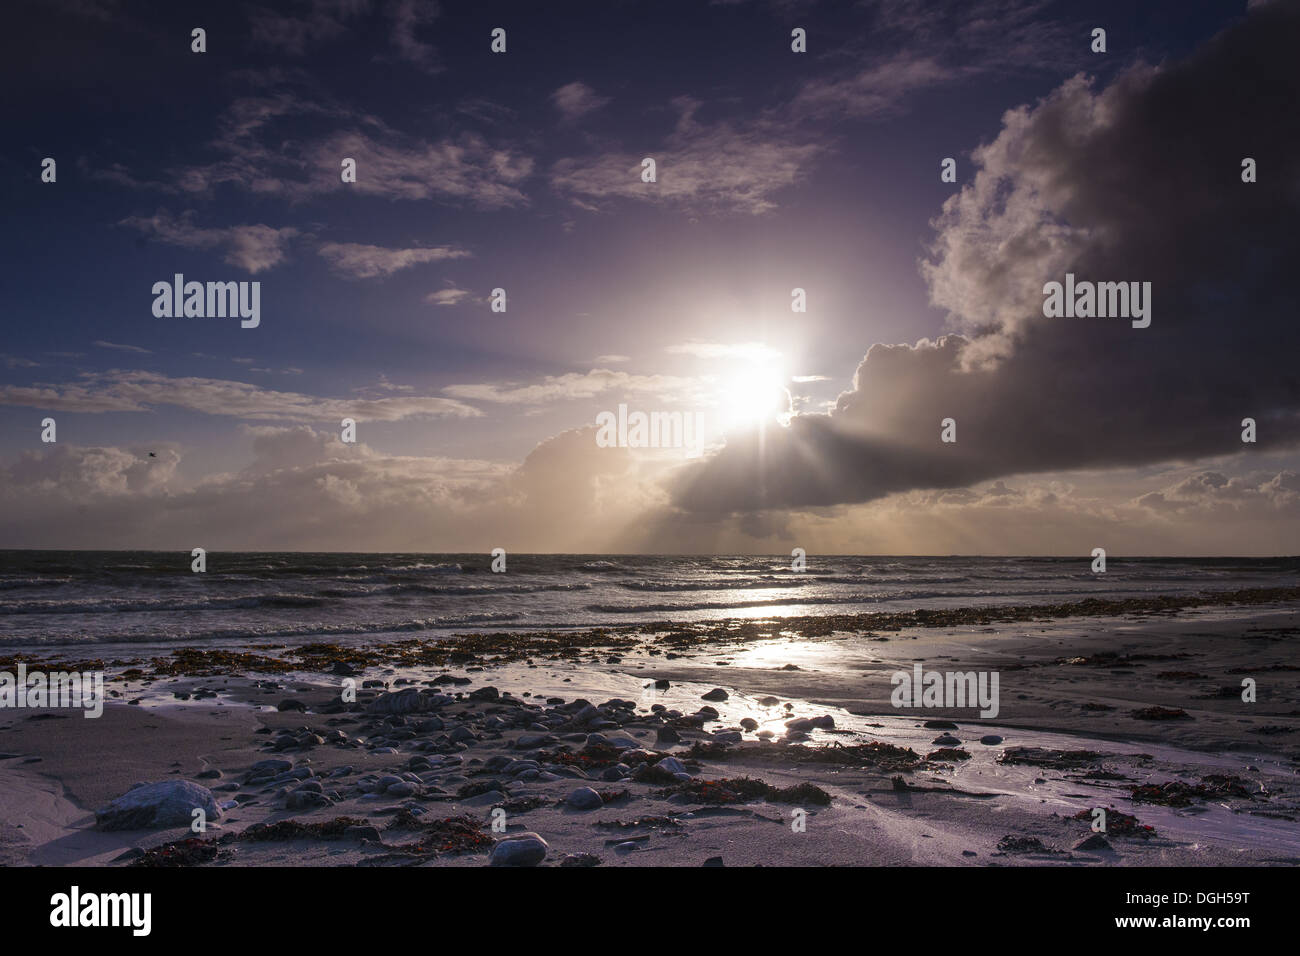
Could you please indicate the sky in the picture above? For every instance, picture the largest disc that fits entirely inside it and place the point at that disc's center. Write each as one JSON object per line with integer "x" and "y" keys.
{"x": 774, "y": 170}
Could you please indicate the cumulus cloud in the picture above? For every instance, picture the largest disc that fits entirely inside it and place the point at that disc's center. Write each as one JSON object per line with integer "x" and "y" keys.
{"x": 305, "y": 490}
{"x": 1211, "y": 491}
{"x": 1139, "y": 181}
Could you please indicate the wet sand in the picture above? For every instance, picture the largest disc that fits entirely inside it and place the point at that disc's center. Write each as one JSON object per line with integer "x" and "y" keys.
{"x": 1217, "y": 783}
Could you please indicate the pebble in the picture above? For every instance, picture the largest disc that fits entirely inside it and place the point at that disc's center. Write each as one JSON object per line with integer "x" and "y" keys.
{"x": 672, "y": 765}
{"x": 522, "y": 849}
{"x": 584, "y": 798}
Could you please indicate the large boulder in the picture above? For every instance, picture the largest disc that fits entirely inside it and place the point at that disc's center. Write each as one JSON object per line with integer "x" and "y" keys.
{"x": 152, "y": 806}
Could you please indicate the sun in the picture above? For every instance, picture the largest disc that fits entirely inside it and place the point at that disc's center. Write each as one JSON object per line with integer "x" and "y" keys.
{"x": 751, "y": 396}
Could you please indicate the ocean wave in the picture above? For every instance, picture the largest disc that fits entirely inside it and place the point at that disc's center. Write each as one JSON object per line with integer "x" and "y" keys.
{"x": 137, "y": 605}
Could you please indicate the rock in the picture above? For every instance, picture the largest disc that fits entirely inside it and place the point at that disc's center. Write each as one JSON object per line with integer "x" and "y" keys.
{"x": 306, "y": 800}
{"x": 488, "y": 799}
{"x": 802, "y": 725}
{"x": 716, "y": 694}
{"x": 749, "y": 723}
{"x": 344, "y": 669}
{"x": 945, "y": 740}
{"x": 208, "y": 775}
{"x": 581, "y": 859}
{"x": 522, "y": 849}
{"x": 667, "y": 735}
{"x": 713, "y": 861}
{"x": 584, "y": 798}
{"x": 672, "y": 765}
{"x": 169, "y": 803}
{"x": 939, "y": 725}
{"x": 991, "y": 740}
{"x": 768, "y": 701}
{"x": 1094, "y": 842}
{"x": 403, "y": 789}
{"x": 290, "y": 704}
{"x": 485, "y": 693}
{"x": 408, "y": 700}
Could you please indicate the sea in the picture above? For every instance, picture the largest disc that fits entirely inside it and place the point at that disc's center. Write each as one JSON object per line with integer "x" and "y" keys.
{"x": 81, "y": 598}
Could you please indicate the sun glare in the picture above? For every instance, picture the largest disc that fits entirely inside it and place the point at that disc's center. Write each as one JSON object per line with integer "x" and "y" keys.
{"x": 752, "y": 395}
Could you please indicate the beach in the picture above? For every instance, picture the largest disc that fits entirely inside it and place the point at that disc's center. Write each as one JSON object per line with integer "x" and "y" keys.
{"x": 771, "y": 741}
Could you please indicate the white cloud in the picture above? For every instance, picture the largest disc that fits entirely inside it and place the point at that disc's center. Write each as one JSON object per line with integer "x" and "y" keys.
{"x": 134, "y": 391}
{"x": 575, "y": 100}
{"x": 253, "y": 248}
{"x": 354, "y": 260}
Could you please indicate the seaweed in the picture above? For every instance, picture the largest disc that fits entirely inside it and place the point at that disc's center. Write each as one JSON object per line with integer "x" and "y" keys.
{"x": 745, "y": 789}
{"x": 189, "y": 852}
{"x": 297, "y": 830}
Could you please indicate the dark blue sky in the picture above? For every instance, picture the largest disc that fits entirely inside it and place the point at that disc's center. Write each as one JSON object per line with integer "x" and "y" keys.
{"x": 776, "y": 170}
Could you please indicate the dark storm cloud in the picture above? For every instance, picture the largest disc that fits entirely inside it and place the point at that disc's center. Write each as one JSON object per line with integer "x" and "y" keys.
{"x": 1140, "y": 181}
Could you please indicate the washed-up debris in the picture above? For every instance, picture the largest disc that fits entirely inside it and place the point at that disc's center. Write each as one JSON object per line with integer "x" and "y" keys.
{"x": 523, "y": 804}
{"x": 1116, "y": 659}
{"x": 599, "y": 756}
{"x": 874, "y": 754}
{"x": 1176, "y": 793}
{"x": 641, "y": 823}
{"x": 948, "y": 754}
{"x": 1050, "y": 759}
{"x": 1161, "y": 713}
{"x": 1021, "y": 844}
{"x": 297, "y": 830}
{"x": 181, "y": 853}
{"x": 1119, "y": 823}
{"x": 744, "y": 789}
{"x": 581, "y": 859}
{"x": 463, "y": 834}
{"x": 902, "y": 786}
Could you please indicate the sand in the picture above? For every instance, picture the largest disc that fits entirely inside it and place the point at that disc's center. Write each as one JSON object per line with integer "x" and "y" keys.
{"x": 975, "y": 812}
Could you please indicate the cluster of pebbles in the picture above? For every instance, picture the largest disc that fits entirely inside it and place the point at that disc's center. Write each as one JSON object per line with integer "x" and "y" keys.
{"x": 480, "y": 751}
